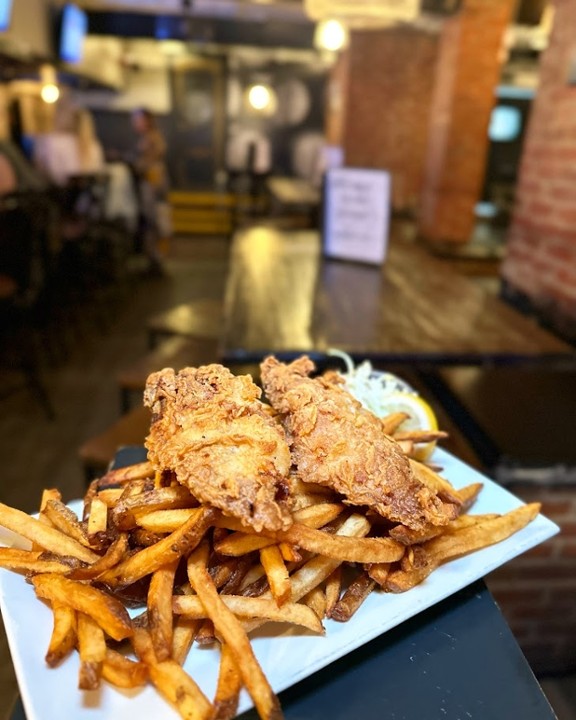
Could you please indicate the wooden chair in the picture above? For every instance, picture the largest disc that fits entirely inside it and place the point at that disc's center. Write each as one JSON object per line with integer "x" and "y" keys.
{"x": 99, "y": 451}
{"x": 175, "y": 352}
{"x": 198, "y": 319}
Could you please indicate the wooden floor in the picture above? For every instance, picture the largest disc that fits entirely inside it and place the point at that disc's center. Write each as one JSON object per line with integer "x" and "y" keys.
{"x": 37, "y": 452}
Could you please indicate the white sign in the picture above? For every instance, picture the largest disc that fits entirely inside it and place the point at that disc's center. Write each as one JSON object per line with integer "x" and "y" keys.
{"x": 357, "y": 214}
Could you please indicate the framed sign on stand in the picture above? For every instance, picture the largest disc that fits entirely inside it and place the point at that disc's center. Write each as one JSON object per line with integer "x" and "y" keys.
{"x": 356, "y": 214}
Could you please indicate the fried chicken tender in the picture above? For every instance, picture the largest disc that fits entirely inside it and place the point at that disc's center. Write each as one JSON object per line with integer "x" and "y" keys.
{"x": 337, "y": 443}
{"x": 211, "y": 430}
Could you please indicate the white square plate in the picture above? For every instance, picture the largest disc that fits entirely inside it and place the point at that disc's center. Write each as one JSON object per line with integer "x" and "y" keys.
{"x": 287, "y": 655}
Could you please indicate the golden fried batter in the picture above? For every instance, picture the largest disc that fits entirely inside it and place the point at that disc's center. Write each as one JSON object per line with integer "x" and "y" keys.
{"x": 210, "y": 428}
{"x": 336, "y": 442}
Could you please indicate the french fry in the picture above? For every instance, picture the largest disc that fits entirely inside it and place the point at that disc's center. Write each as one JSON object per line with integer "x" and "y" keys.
{"x": 241, "y": 567}
{"x": 468, "y": 495}
{"x": 164, "y": 521}
{"x": 277, "y": 574}
{"x": 407, "y": 536}
{"x": 122, "y": 476}
{"x": 122, "y": 672}
{"x": 319, "y": 568}
{"x": 420, "y": 436}
{"x": 30, "y": 562}
{"x": 116, "y": 551}
{"x": 110, "y": 496}
{"x": 127, "y": 509}
{"x": 334, "y": 546}
{"x": 461, "y": 542}
{"x": 379, "y": 572}
{"x": 49, "y": 494}
{"x": 206, "y": 635}
{"x": 98, "y": 518}
{"x": 170, "y": 548}
{"x": 435, "y": 482}
{"x": 392, "y": 422}
{"x": 63, "y": 638}
{"x": 314, "y": 516}
{"x": 183, "y": 635}
{"x": 250, "y": 608}
{"x": 240, "y": 543}
{"x": 353, "y": 597}
{"x": 43, "y": 535}
{"x": 316, "y": 570}
{"x": 316, "y": 601}
{"x": 229, "y": 686}
{"x": 255, "y": 573}
{"x": 92, "y": 650}
{"x": 289, "y": 552}
{"x": 333, "y": 589}
{"x": 299, "y": 487}
{"x": 107, "y": 611}
{"x": 65, "y": 520}
{"x": 407, "y": 446}
{"x": 171, "y": 681}
{"x": 160, "y": 622}
{"x": 232, "y": 632}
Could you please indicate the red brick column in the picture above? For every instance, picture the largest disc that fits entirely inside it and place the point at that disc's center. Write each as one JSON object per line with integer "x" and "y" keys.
{"x": 537, "y": 591}
{"x": 466, "y": 74}
{"x": 541, "y": 248}
{"x": 379, "y": 103}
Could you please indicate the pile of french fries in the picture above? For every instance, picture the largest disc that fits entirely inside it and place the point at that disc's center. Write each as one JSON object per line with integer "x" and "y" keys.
{"x": 202, "y": 577}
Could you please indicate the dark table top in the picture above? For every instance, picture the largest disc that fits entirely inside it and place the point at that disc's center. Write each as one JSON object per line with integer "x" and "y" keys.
{"x": 455, "y": 661}
{"x": 284, "y": 296}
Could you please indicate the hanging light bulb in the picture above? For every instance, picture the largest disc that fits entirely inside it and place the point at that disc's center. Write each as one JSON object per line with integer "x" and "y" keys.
{"x": 330, "y": 35}
{"x": 50, "y": 93}
{"x": 262, "y": 98}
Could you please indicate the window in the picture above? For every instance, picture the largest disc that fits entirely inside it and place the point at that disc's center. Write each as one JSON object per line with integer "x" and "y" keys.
{"x": 505, "y": 124}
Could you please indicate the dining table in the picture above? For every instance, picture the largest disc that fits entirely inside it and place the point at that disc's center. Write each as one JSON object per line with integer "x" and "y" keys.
{"x": 285, "y": 296}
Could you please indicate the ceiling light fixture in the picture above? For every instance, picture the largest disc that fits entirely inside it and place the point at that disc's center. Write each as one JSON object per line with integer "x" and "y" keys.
{"x": 50, "y": 93}
{"x": 330, "y": 35}
{"x": 262, "y": 98}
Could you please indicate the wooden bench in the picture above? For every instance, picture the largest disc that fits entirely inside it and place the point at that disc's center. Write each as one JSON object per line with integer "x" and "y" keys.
{"x": 175, "y": 352}
{"x": 98, "y": 451}
{"x": 197, "y": 319}
{"x": 513, "y": 416}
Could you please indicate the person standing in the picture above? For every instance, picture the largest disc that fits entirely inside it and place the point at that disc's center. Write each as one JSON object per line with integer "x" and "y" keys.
{"x": 152, "y": 178}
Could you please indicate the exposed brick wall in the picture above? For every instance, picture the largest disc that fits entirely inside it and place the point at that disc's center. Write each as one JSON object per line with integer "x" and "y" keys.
{"x": 541, "y": 248}
{"x": 537, "y": 591}
{"x": 467, "y": 72}
{"x": 385, "y": 92}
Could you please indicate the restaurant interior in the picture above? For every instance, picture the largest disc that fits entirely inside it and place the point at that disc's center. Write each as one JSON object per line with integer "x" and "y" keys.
{"x": 464, "y": 109}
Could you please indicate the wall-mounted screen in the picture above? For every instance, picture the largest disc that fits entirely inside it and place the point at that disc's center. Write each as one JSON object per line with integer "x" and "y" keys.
{"x": 5, "y": 14}
{"x": 73, "y": 29}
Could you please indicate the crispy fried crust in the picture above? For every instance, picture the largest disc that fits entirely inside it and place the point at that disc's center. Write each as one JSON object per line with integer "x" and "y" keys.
{"x": 210, "y": 428}
{"x": 336, "y": 442}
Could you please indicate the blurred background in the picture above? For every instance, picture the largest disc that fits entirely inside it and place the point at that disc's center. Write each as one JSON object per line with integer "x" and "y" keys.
{"x": 470, "y": 105}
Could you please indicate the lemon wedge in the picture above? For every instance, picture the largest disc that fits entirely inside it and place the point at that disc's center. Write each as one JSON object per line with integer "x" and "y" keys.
{"x": 422, "y": 417}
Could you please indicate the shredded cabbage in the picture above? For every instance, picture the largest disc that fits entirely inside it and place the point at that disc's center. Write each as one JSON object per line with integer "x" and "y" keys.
{"x": 371, "y": 387}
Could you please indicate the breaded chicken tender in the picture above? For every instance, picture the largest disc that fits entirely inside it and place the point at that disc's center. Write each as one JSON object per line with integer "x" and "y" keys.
{"x": 211, "y": 430}
{"x": 336, "y": 442}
